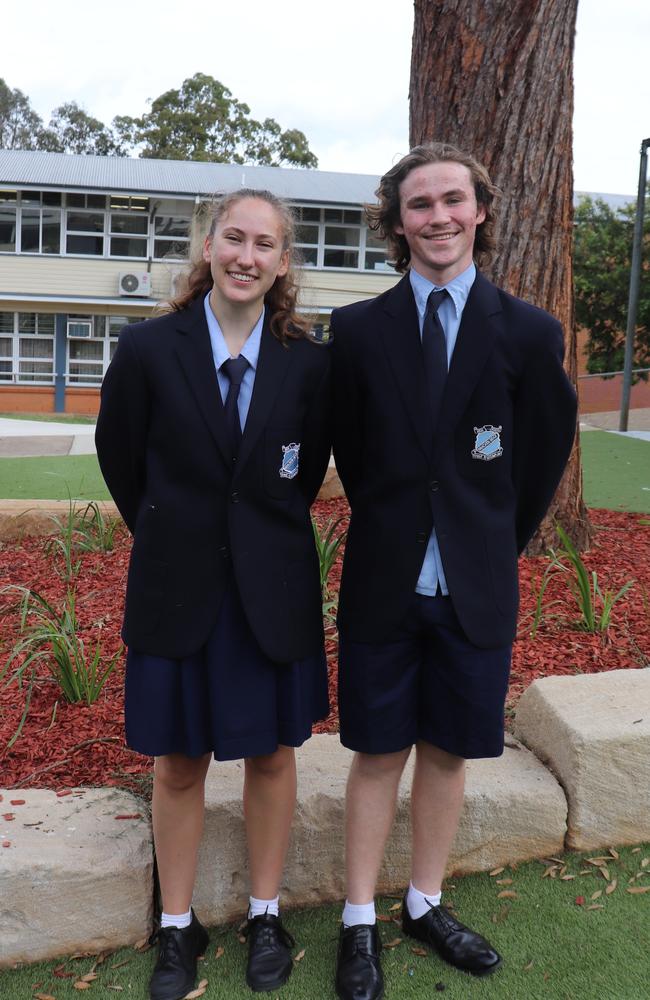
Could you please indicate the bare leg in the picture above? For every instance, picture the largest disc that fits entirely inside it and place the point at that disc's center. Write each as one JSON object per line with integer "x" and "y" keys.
{"x": 269, "y": 801}
{"x": 436, "y": 803}
{"x": 177, "y": 808}
{"x": 371, "y": 800}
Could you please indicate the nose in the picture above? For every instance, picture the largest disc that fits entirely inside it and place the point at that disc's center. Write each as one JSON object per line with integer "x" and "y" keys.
{"x": 439, "y": 214}
{"x": 245, "y": 256}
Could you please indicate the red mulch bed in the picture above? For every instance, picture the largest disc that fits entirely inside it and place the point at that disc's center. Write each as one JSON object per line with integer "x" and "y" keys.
{"x": 66, "y": 745}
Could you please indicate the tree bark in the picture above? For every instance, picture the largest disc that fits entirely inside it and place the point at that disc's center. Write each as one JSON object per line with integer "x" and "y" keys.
{"x": 494, "y": 77}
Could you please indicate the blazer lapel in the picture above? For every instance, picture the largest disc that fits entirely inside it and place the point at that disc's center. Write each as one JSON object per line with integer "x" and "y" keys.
{"x": 272, "y": 366}
{"x": 194, "y": 352}
{"x": 400, "y": 332}
{"x": 480, "y": 324}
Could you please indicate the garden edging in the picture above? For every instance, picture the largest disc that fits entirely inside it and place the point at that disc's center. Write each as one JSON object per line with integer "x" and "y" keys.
{"x": 515, "y": 809}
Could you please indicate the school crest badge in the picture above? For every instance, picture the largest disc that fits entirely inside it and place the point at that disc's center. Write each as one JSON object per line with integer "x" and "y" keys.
{"x": 289, "y": 467}
{"x": 488, "y": 443}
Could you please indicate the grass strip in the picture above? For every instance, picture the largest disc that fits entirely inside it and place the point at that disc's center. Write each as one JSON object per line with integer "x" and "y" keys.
{"x": 554, "y": 946}
{"x": 616, "y": 471}
{"x": 55, "y": 478}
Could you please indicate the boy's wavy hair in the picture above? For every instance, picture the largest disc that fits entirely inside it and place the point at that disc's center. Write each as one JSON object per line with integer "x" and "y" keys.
{"x": 281, "y": 299}
{"x": 385, "y": 216}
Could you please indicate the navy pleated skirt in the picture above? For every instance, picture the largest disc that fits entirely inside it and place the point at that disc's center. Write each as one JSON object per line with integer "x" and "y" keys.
{"x": 228, "y": 699}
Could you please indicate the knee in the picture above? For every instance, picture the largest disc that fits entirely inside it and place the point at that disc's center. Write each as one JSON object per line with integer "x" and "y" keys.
{"x": 271, "y": 765}
{"x": 382, "y": 766}
{"x": 428, "y": 754}
{"x": 177, "y": 773}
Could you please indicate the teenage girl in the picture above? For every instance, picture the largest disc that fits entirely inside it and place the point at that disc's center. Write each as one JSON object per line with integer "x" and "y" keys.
{"x": 213, "y": 438}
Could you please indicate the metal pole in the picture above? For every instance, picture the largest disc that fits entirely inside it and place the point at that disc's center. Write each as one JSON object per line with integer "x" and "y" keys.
{"x": 635, "y": 280}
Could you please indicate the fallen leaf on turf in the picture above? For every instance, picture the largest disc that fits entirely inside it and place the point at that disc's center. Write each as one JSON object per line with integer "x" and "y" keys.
{"x": 395, "y": 906}
{"x": 219, "y": 952}
{"x": 596, "y": 906}
{"x": 422, "y": 952}
{"x": 121, "y": 965}
{"x": 507, "y": 894}
{"x": 80, "y": 985}
{"x": 568, "y": 878}
{"x": 528, "y": 967}
{"x": 605, "y": 873}
{"x": 614, "y": 853}
{"x": 560, "y": 861}
{"x": 141, "y": 944}
{"x": 586, "y": 871}
{"x": 241, "y": 939}
{"x": 504, "y": 881}
{"x": 299, "y": 957}
{"x": 198, "y": 992}
{"x": 392, "y": 944}
{"x": 550, "y": 871}
{"x": 43, "y": 996}
{"x": 638, "y": 889}
{"x": 580, "y": 900}
{"x": 597, "y": 894}
{"x": 645, "y": 862}
{"x": 497, "y": 871}
{"x": 611, "y": 887}
{"x": 636, "y": 850}
{"x": 385, "y": 919}
{"x": 89, "y": 977}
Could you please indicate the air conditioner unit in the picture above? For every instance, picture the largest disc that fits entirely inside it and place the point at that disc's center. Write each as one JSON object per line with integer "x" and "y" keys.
{"x": 134, "y": 283}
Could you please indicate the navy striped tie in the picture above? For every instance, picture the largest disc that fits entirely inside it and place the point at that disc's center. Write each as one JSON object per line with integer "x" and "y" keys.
{"x": 234, "y": 369}
{"x": 434, "y": 349}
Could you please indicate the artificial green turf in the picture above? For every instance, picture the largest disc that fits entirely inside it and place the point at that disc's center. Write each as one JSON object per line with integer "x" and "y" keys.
{"x": 553, "y": 948}
{"x": 51, "y": 418}
{"x": 52, "y": 478}
{"x": 616, "y": 473}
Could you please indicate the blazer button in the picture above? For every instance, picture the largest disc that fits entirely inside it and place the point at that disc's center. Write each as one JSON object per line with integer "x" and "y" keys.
{"x": 234, "y": 497}
{"x": 434, "y": 485}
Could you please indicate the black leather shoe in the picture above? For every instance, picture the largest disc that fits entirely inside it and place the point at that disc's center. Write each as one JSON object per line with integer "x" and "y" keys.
{"x": 269, "y": 955}
{"x": 174, "y": 974}
{"x": 454, "y": 942}
{"x": 358, "y": 969}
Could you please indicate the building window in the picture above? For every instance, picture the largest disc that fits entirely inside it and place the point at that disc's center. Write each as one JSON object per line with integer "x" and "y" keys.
{"x": 85, "y": 233}
{"x": 91, "y": 344}
{"x": 40, "y": 222}
{"x": 337, "y": 238}
{"x": 27, "y": 347}
{"x": 171, "y": 236}
{"x": 8, "y": 212}
{"x": 128, "y": 234}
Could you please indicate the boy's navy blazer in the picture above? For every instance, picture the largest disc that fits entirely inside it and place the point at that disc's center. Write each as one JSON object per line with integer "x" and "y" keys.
{"x": 195, "y": 515}
{"x": 403, "y": 476}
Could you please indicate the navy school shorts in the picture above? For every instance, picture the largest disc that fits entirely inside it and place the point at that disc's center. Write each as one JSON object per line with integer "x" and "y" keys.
{"x": 426, "y": 682}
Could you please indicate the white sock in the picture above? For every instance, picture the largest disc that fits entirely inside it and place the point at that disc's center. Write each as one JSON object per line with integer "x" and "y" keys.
{"x": 358, "y": 913}
{"x": 257, "y": 907}
{"x": 176, "y": 919}
{"x": 418, "y": 903}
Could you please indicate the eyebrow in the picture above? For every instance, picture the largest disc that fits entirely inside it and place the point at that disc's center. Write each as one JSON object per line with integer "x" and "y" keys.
{"x": 258, "y": 236}
{"x": 426, "y": 196}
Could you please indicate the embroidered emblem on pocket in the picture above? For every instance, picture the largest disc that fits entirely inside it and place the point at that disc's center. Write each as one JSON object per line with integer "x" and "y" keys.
{"x": 488, "y": 443}
{"x": 289, "y": 467}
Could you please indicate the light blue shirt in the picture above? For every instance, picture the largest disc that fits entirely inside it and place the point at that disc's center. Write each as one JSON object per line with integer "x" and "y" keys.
{"x": 450, "y": 313}
{"x": 220, "y": 353}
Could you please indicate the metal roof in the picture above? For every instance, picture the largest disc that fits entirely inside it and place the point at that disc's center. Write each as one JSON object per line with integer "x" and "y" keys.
{"x": 178, "y": 178}
{"x": 189, "y": 178}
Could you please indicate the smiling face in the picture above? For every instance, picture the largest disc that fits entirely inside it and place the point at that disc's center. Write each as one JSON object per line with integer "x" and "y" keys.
{"x": 438, "y": 219}
{"x": 246, "y": 253}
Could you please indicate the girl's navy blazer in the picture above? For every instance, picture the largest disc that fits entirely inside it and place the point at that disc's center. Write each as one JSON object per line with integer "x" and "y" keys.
{"x": 196, "y": 515}
{"x": 484, "y": 475}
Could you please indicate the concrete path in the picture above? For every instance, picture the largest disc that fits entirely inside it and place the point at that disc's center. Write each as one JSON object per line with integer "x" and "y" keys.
{"x": 38, "y": 438}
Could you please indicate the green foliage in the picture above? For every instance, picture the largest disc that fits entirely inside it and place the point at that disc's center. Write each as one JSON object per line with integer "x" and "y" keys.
{"x": 201, "y": 120}
{"x": 594, "y": 604}
{"x": 51, "y": 635}
{"x": 83, "y": 529}
{"x": 328, "y": 544}
{"x": 602, "y": 258}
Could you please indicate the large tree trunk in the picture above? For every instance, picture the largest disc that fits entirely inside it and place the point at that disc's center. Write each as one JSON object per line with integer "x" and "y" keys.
{"x": 494, "y": 77}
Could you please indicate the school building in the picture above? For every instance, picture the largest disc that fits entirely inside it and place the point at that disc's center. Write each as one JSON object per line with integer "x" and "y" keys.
{"x": 90, "y": 243}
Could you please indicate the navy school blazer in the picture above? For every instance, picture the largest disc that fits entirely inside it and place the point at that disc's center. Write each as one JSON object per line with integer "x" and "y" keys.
{"x": 484, "y": 476}
{"x": 195, "y": 515}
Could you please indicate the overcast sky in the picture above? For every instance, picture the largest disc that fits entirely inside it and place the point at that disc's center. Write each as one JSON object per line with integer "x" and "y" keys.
{"x": 338, "y": 70}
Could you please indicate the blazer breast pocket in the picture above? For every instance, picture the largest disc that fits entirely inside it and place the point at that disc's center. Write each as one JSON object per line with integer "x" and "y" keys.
{"x": 281, "y": 461}
{"x": 484, "y": 451}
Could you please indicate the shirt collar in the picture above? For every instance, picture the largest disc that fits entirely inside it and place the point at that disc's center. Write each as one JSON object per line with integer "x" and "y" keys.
{"x": 458, "y": 288}
{"x": 220, "y": 352}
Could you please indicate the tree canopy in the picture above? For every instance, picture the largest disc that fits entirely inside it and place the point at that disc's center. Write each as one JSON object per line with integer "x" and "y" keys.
{"x": 602, "y": 258}
{"x": 201, "y": 120}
